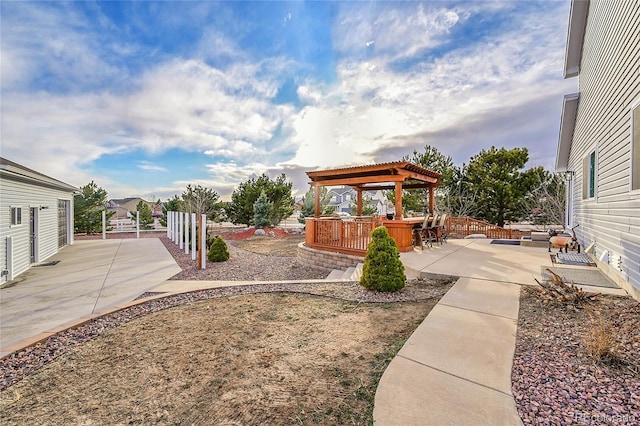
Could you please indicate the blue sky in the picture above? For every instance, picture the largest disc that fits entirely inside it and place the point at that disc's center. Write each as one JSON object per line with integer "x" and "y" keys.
{"x": 147, "y": 97}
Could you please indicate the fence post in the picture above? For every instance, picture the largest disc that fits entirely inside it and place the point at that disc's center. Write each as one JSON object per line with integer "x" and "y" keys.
{"x": 137, "y": 224}
{"x": 168, "y": 219}
{"x": 467, "y": 221}
{"x": 172, "y": 227}
{"x": 186, "y": 233}
{"x": 181, "y": 230}
{"x": 193, "y": 236}
{"x": 175, "y": 227}
{"x": 203, "y": 241}
{"x": 104, "y": 225}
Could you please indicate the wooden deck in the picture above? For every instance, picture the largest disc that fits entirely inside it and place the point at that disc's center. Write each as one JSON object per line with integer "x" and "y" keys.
{"x": 352, "y": 235}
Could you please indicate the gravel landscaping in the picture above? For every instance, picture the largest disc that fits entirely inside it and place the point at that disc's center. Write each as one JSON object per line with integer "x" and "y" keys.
{"x": 244, "y": 265}
{"x": 556, "y": 381}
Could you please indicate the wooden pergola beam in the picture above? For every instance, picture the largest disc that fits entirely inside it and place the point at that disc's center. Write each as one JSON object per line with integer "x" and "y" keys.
{"x": 404, "y": 186}
{"x": 355, "y": 181}
{"x": 369, "y": 177}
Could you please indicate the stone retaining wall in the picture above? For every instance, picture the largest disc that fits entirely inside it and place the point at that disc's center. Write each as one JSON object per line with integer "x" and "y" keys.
{"x": 326, "y": 260}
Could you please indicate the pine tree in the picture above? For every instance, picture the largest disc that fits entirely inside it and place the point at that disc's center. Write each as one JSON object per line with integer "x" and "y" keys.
{"x": 383, "y": 270}
{"x": 261, "y": 211}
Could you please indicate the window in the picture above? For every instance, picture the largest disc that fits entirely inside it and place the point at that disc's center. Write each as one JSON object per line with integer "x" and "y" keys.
{"x": 589, "y": 175}
{"x": 16, "y": 215}
{"x": 635, "y": 146}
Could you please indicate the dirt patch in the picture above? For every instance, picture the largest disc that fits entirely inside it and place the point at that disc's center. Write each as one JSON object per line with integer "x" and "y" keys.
{"x": 270, "y": 246}
{"x": 274, "y": 358}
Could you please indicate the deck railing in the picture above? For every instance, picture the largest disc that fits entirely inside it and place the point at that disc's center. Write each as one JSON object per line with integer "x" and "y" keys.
{"x": 464, "y": 226}
{"x": 350, "y": 236}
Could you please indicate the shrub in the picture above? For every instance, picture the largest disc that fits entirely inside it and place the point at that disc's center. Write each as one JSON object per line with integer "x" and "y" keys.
{"x": 600, "y": 339}
{"x": 261, "y": 211}
{"x": 382, "y": 270}
{"x": 555, "y": 290}
{"x": 218, "y": 251}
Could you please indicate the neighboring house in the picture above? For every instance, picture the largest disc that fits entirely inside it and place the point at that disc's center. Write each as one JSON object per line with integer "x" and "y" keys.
{"x": 121, "y": 207}
{"x": 36, "y": 217}
{"x": 599, "y": 143}
{"x": 157, "y": 211}
{"x": 341, "y": 199}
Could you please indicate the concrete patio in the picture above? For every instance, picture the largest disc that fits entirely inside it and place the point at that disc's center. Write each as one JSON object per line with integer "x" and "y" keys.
{"x": 91, "y": 276}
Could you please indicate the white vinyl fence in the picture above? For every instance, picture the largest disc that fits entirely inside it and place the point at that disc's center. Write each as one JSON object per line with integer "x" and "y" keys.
{"x": 178, "y": 231}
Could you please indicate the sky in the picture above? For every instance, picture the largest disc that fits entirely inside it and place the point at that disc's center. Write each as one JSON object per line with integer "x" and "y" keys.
{"x": 146, "y": 97}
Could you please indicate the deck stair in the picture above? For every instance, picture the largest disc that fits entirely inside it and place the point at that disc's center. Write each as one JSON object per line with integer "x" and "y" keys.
{"x": 352, "y": 273}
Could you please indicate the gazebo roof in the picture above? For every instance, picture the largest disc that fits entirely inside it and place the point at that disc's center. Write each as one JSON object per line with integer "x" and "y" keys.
{"x": 371, "y": 176}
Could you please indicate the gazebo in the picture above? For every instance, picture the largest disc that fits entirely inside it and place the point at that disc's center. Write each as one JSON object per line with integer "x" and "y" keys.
{"x": 351, "y": 235}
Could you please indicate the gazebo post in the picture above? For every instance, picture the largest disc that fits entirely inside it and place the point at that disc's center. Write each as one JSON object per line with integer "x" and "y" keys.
{"x": 316, "y": 194}
{"x": 431, "y": 200}
{"x": 398, "y": 200}
{"x": 359, "y": 202}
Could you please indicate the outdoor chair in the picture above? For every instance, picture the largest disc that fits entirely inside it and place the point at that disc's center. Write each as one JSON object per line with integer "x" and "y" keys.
{"x": 429, "y": 234}
{"x": 420, "y": 231}
{"x": 441, "y": 229}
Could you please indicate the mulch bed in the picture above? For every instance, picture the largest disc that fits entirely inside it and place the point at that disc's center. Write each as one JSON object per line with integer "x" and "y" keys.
{"x": 245, "y": 233}
{"x": 555, "y": 380}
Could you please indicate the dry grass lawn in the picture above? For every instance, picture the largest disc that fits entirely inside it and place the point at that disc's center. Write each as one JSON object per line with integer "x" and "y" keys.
{"x": 253, "y": 359}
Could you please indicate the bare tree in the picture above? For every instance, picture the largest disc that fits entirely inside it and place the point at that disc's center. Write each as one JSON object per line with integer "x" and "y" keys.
{"x": 200, "y": 200}
{"x": 546, "y": 202}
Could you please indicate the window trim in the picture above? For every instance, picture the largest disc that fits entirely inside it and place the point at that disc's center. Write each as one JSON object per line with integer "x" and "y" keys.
{"x": 635, "y": 105}
{"x": 15, "y": 220}
{"x": 586, "y": 175}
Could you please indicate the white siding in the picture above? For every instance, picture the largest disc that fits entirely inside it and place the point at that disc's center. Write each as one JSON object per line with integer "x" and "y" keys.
{"x": 609, "y": 84}
{"x": 14, "y": 194}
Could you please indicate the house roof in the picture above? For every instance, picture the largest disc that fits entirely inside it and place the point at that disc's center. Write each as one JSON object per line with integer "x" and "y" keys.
{"x": 567, "y": 124}
{"x": 18, "y": 172}
{"x": 575, "y": 37}
{"x": 129, "y": 203}
{"x": 341, "y": 190}
{"x": 366, "y": 176}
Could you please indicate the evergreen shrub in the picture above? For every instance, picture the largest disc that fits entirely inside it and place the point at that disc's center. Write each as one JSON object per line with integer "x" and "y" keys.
{"x": 261, "y": 211}
{"x": 383, "y": 270}
{"x": 219, "y": 251}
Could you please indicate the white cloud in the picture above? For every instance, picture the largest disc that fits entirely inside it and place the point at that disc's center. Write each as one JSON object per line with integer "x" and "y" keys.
{"x": 375, "y": 109}
{"x": 398, "y": 30}
{"x": 219, "y": 101}
{"x": 147, "y": 165}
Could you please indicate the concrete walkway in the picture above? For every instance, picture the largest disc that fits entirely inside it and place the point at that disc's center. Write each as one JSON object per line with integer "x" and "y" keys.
{"x": 455, "y": 369}
{"x": 92, "y": 275}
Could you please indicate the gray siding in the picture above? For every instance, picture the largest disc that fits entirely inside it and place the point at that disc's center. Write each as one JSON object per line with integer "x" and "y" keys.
{"x": 609, "y": 84}
{"x": 19, "y": 194}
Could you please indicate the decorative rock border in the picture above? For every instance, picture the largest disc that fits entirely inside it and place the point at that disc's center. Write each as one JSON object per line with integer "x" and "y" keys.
{"x": 326, "y": 260}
